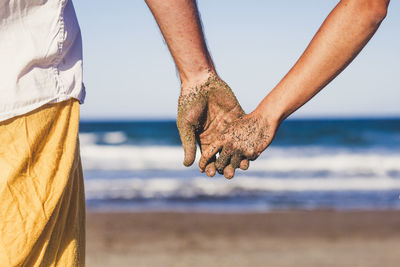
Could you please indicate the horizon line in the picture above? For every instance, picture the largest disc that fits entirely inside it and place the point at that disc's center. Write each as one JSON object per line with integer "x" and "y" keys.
{"x": 296, "y": 118}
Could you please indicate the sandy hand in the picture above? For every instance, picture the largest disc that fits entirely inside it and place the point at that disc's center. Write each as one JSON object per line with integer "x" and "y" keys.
{"x": 245, "y": 138}
{"x": 204, "y": 113}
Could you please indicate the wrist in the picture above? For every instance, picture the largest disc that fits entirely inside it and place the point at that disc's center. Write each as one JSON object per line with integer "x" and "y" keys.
{"x": 270, "y": 111}
{"x": 192, "y": 80}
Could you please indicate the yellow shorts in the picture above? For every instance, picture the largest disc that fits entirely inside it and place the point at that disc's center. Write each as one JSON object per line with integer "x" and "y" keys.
{"x": 42, "y": 202}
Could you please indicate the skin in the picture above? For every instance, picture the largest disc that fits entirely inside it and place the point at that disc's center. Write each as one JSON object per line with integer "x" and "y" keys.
{"x": 203, "y": 115}
{"x": 206, "y": 104}
{"x": 344, "y": 33}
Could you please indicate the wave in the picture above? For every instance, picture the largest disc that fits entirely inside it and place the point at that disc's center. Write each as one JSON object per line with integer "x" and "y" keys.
{"x": 88, "y": 138}
{"x": 161, "y": 188}
{"x": 153, "y": 177}
{"x": 289, "y": 160}
{"x": 115, "y": 138}
{"x": 110, "y": 138}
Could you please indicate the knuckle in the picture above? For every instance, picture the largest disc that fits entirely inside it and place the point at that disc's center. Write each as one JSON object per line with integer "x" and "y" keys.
{"x": 251, "y": 155}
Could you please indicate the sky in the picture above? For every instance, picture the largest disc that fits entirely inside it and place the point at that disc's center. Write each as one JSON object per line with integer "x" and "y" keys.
{"x": 129, "y": 73}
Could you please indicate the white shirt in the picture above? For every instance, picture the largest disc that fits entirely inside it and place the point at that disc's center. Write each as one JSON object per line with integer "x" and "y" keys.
{"x": 40, "y": 55}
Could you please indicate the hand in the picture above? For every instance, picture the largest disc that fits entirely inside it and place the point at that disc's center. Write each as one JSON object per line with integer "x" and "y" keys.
{"x": 204, "y": 113}
{"x": 245, "y": 138}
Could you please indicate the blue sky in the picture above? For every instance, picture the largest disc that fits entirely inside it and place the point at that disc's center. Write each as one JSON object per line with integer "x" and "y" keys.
{"x": 129, "y": 73}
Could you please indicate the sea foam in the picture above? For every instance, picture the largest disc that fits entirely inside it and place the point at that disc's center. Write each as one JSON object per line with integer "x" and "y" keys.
{"x": 347, "y": 162}
{"x": 206, "y": 187}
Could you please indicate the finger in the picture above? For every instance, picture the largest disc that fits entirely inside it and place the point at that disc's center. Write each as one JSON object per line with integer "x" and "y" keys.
{"x": 208, "y": 154}
{"x": 223, "y": 159}
{"x": 244, "y": 164}
{"x": 202, "y": 148}
{"x": 187, "y": 134}
{"x": 229, "y": 171}
{"x": 210, "y": 169}
{"x": 236, "y": 159}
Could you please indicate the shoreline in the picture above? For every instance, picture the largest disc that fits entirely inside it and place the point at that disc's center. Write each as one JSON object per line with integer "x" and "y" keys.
{"x": 243, "y": 211}
{"x": 276, "y": 238}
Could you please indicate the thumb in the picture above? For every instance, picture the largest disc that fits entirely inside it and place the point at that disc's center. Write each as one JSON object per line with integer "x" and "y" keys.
{"x": 188, "y": 139}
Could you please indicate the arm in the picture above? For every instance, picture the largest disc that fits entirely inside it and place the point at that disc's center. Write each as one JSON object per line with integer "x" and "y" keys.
{"x": 344, "y": 33}
{"x": 206, "y": 105}
{"x": 180, "y": 26}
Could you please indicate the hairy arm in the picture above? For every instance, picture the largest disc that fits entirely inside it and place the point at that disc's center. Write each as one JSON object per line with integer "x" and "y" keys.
{"x": 180, "y": 26}
{"x": 206, "y": 105}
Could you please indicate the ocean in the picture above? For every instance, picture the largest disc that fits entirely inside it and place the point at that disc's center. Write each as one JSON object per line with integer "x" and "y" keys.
{"x": 338, "y": 164}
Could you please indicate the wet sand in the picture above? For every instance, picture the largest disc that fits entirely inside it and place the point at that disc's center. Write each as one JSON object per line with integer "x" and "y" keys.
{"x": 294, "y": 238}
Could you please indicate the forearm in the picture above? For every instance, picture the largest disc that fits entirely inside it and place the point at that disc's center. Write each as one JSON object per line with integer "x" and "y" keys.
{"x": 341, "y": 37}
{"x": 180, "y": 25}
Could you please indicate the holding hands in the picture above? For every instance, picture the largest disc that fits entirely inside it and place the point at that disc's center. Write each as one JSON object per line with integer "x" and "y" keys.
{"x": 245, "y": 138}
{"x": 208, "y": 111}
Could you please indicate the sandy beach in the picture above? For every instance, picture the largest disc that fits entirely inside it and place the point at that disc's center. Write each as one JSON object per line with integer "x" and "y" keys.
{"x": 293, "y": 238}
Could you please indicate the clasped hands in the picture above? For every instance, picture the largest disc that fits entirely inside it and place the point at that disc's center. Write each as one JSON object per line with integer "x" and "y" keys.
{"x": 210, "y": 115}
